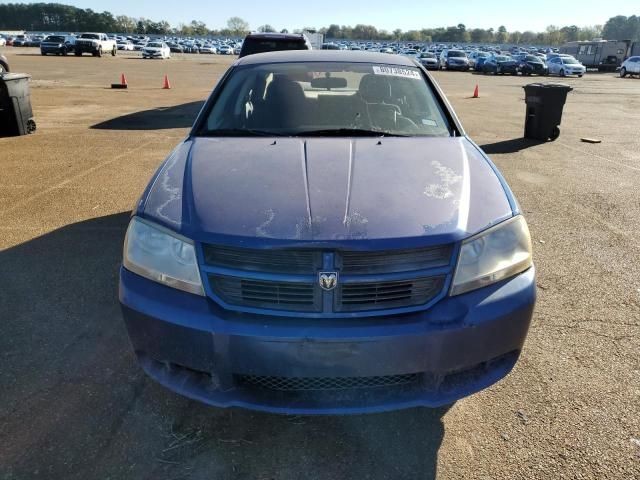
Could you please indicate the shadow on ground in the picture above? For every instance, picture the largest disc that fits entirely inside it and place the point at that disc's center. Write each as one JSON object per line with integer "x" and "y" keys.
{"x": 178, "y": 116}
{"x": 75, "y": 405}
{"x": 509, "y": 146}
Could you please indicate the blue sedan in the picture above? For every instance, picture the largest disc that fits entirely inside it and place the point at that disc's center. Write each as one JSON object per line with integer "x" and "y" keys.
{"x": 327, "y": 240}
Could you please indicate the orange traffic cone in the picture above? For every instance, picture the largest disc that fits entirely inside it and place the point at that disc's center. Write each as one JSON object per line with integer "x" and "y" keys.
{"x": 167, "y": 85}
{"x": 122, "y": 84}
{"x": 476, "y": 93}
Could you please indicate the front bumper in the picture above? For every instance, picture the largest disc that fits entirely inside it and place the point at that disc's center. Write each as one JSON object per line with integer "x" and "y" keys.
{"x": 459, "y": 346}
{"x": 51, "y": 48}
{"x": 458, "y": 66}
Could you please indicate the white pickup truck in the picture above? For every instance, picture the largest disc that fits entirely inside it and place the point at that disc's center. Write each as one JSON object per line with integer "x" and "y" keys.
{"x": 96, "y": 44}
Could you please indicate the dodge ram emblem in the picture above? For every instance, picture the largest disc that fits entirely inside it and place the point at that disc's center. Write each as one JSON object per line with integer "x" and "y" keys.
{"x": 328, "y": 280}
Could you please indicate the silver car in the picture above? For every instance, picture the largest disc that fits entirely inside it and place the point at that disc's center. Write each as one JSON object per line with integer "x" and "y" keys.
{"x": 564, "y": 65}
{"x": 631, "y": 66}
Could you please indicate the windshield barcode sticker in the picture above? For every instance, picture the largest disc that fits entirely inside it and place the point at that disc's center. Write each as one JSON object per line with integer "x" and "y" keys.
{"x": 396, "y": 71}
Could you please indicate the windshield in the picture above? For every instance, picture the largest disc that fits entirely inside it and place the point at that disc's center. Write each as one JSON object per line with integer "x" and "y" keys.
{"x": 570, "y": 60}
{"x": 93, "y": 36}
{"x": 306, "y": 98}
{"x": 427, "y": 55}
{"x": 502, "y": 58}
{"x": 456, "y": 53}
{"x": 54, "y": 38}
{"x": 154, "y": 45}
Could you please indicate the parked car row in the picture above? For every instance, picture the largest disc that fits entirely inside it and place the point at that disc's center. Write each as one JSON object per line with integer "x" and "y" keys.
{"x": 482, "y": 59}
{"x": 99, "y": 43}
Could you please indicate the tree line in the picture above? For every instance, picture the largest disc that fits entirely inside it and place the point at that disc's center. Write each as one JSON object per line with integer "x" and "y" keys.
{"x": 553, "y": 35}
{"x": 58, "y": 17}
{"x": 55, "y": 17}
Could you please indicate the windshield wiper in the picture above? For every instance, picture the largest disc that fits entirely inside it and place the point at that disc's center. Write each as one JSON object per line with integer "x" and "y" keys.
{"x": 347, "y": 132}
{"x": 238, "y": 132}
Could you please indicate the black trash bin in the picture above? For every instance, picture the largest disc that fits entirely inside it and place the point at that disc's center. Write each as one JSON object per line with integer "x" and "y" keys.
{"x": 545, "y": 102}
{"x": 16, "y": 116}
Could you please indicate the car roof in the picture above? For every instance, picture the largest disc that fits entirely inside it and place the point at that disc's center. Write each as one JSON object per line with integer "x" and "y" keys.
{"x": 347, "y": 56}
{"x": 272, "y": 35}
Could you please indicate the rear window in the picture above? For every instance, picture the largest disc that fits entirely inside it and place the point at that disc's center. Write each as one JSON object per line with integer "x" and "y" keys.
{"x": 261, "y": 45}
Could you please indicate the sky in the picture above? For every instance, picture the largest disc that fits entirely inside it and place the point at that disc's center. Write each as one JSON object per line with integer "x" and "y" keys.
{"x": 533, "y": 15}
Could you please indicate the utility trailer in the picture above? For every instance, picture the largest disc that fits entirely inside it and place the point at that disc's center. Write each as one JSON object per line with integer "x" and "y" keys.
{"x": 605, "y": 55}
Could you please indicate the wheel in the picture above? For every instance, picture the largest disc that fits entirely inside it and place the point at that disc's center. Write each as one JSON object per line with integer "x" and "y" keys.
{"x": 623, "y": 72}
{"x": 580, "y": 76}
{"x": 99, "y": 52}
{"x": 555, "y": 133}
{"x": 64, "y": 52}
{"x": 114, "y": 51}
{"x": 77, "y": 53}
{"x": 562, "y": 73}
{"x": 31, "y": 126}
{"x": 43, "y": 54}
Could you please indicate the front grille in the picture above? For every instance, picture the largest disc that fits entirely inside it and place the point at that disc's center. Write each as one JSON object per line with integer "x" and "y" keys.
{"x": 295, "y": 296}
{"x": 287, "y": 280}
{"x": 380, "y": 295}
{"x": 273, "y": 261}
{"x": 326, "y": 383}
{"x": 395, "y": 261}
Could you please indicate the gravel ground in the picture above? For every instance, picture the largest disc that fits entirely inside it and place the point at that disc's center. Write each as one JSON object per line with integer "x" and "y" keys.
{"x": 74, "y": 404}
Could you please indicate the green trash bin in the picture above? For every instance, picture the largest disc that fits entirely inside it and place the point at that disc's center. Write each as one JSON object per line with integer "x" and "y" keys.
{"x": 16, "y": 116}
{"x": 545, "y": 102}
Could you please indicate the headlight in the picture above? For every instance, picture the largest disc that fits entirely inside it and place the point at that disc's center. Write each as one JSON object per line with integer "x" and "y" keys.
{"x": 161, "y": 255}
{"x": 493, "y": 255}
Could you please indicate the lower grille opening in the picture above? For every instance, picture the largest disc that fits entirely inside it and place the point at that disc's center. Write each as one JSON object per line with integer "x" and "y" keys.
{"x": 326, "y": 383}
{"x": 390, "y": 294}
{"x": 277, "y": 295}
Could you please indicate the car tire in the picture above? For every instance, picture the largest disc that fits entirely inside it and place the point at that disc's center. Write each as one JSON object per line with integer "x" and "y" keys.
{"x": 114, "y": 51}
{"x": 64, "y": 52}
{"x": 77, "y": 53}
{"x": 563, "y": 73}
{"x": 580, "y": 76}
{"x": 99, "y": 52}
{"x": 555, "y": 133}
{"x": 623, "y": 72}
{"x": 43, "y": 54}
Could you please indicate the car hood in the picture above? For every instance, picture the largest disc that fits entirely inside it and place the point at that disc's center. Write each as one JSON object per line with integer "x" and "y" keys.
{"x": 327, "y": 189}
